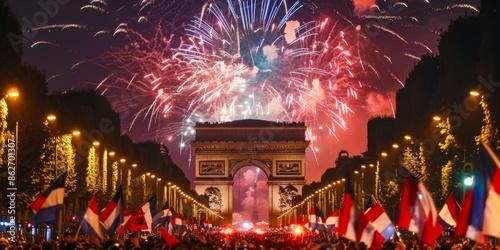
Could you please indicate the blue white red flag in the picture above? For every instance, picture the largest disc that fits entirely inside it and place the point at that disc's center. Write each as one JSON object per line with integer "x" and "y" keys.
{"x": 90, "y": 223}
{"x": 417, "y": 212}
{"x": 204, "y": 223}
{"x": 179, "y": 222}
{"x": 169, "y": 222}
{"x": 46, "y": 207}
{"x": 380, "y": 220}
{"x": 353, "y": 224}
{"x": 481, "y": 205}
{"x": 448, "y": 216}
{"x": 112, "y": 215}
{"x": 142, "y": 219}
{"x": 162, "y": 217}
{"x": 210, "y": 225}
{"x": 349, "y": 214}
{"x": 320, "y": 219}
{"x": 332, "y": 221}
{"x": 312, "y": 220}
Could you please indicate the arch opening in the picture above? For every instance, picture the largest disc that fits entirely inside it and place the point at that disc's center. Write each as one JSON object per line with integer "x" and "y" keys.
{"x": 250, "y": 197}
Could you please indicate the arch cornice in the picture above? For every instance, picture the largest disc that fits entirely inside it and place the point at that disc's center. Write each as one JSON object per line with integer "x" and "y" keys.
{"x": 232, "y": 147}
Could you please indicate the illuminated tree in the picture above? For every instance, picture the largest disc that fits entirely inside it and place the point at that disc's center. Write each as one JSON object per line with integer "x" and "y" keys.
{"x": 489, "y": 132}
{"x": 416, "y": 162}
{"x": 389, "y": 192}
{"x": 114, "y": 176}
{"x": 129, "y": 190}
{"x": 449, "y": 146}
{"x": 446, "y": 176}
{"x": 92, "y": 177}
{"x": 3, "y": 127}
{"x": 450, "y": 142}
{"x": 138, "y": 191}
{"x": 66, "y": 161}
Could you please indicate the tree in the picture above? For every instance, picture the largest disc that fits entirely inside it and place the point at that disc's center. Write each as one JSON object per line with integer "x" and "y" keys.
{"x": 489, "y": 131}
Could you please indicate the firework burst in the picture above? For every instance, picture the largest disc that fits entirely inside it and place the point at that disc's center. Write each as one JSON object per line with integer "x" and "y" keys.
{"x": 246, "y": 59}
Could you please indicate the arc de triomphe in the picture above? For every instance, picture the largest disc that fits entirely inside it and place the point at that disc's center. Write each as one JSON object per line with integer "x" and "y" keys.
{"x": 278, "y": 149}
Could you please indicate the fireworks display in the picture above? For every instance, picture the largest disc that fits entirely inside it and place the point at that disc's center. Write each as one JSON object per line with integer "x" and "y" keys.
{"x": 248, "y": 59}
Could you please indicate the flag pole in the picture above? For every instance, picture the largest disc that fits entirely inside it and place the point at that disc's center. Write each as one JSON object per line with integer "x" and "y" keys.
{"x": 78, "y": 230}
{"x": 81, "y": 221}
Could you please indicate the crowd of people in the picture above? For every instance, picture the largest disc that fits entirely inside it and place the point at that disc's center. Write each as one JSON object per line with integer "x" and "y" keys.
{"x": 273, "y": 239}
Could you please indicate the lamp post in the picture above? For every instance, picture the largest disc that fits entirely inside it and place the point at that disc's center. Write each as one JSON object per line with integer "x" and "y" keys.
{"x": 52, "y": 118}
{"x": 169, "y": 184}
{"x": 57, "y": 137}
{"x": 122, "y": 160}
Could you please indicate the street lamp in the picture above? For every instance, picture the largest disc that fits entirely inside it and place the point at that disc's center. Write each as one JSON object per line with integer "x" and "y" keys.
{"x": 12, "y": 92}
{"x": 474, "y": 93}
{"x": 51, "y": 117}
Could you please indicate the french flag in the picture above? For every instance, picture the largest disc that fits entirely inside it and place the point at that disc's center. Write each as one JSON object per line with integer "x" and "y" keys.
{"x": 481, "y": 204}
{"x": 353, "y": 224}
{"x": 417, "y": 211}
{"x": 161, "y": 217}
{"x": 380, "y": 220}
{"x": 349, "y": 214}
{"x": 320, "y": 219}
{"x": 448, "y": 216}
{"x": 142, "y": 218}
{"x": 169, "y": 225}
{"x": 210, "y": 225}
{"x": 194, "y": 223}
{"x": 204, "y": 223}
{"x": 332, "y": 220}
{"x": 90, "y": 223}
{"x": 312, "y": 219}
{"x": 112, "y": 215}
{"x": 47, "y": 206}
{"x": 179, "y": 222}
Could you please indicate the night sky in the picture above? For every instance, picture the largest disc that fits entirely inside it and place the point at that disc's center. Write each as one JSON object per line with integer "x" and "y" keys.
{"x": 66, "y": 33}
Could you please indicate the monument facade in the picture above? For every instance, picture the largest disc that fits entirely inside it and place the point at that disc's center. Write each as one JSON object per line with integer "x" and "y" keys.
{"x": 278, "y": 149}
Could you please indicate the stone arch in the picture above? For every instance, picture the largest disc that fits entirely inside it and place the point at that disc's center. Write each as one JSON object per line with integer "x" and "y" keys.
{"x": 221, "y": 149}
